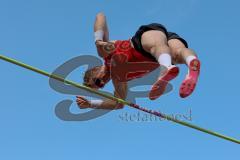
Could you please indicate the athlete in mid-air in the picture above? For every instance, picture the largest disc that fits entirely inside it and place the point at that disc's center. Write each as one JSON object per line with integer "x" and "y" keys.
{"x": 151, "y": 44}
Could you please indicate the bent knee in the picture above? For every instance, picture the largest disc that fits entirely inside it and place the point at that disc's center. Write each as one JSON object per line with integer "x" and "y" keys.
{"x": 159, "y": 49}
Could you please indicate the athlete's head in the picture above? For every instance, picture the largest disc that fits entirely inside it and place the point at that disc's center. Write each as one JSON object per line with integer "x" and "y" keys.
{"x": 96, "y": 77}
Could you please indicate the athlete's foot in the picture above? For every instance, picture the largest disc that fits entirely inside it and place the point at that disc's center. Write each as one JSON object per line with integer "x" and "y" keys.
{"x": 189, "y": 83}
{"x": 160, "y": 85}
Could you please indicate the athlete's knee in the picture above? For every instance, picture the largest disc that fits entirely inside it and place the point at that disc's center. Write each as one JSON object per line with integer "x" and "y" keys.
{"x": 159, "y": 49}
{"x": 178, "y": 51}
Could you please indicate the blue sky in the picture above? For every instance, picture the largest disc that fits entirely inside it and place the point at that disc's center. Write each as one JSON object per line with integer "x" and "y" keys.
{"x": 47, "y": 33}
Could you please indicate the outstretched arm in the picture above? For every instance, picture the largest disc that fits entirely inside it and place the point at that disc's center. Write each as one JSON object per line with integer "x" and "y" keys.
{"x": 100, "y": 28}
{"x": 101, "y": 35}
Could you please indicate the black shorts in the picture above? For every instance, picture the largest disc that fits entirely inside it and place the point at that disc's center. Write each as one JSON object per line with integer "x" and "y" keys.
{"x": 136, "y": 39}
{"x": 172, "y": 35}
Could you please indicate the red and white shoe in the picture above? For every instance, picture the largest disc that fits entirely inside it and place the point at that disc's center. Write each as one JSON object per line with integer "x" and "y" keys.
{"x": 189, "y": 83}
{"x": 160, "y": 85}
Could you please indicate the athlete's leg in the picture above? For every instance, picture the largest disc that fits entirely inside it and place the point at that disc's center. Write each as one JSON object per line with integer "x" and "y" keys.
{"x": 181, "y": 54}
{"x": 155, "y": 42}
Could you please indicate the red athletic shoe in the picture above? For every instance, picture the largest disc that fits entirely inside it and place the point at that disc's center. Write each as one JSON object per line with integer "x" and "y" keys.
{"x": 189, "y": 84}
{"x": 159, "y": 87}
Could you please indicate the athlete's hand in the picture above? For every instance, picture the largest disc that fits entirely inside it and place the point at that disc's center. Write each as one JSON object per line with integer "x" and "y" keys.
{"x": 82, "y": 102}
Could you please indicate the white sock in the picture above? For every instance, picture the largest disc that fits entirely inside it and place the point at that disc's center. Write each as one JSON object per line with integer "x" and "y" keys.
{"x": 189, "y": 59}
{"x": 98, "y": 35}
{"x": 165, "y": 60}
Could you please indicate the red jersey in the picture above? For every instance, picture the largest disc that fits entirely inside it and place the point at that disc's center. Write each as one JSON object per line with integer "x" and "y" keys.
{"x": 125, "y": 63}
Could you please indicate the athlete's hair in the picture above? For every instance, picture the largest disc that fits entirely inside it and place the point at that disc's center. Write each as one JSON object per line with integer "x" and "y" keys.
{"x": 88, "y": 74}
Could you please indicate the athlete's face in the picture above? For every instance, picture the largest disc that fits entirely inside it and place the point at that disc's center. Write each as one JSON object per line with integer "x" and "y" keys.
{"x": 99, "y": 77}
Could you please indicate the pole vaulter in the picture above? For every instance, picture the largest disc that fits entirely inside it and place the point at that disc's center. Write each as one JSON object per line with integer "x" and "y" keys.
{"x": 159, "y": 114}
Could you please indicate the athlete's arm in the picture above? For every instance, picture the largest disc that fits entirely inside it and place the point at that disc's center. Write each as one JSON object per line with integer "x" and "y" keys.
{"x": 101, "y": 34}
{"x": 120, "y": 92}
